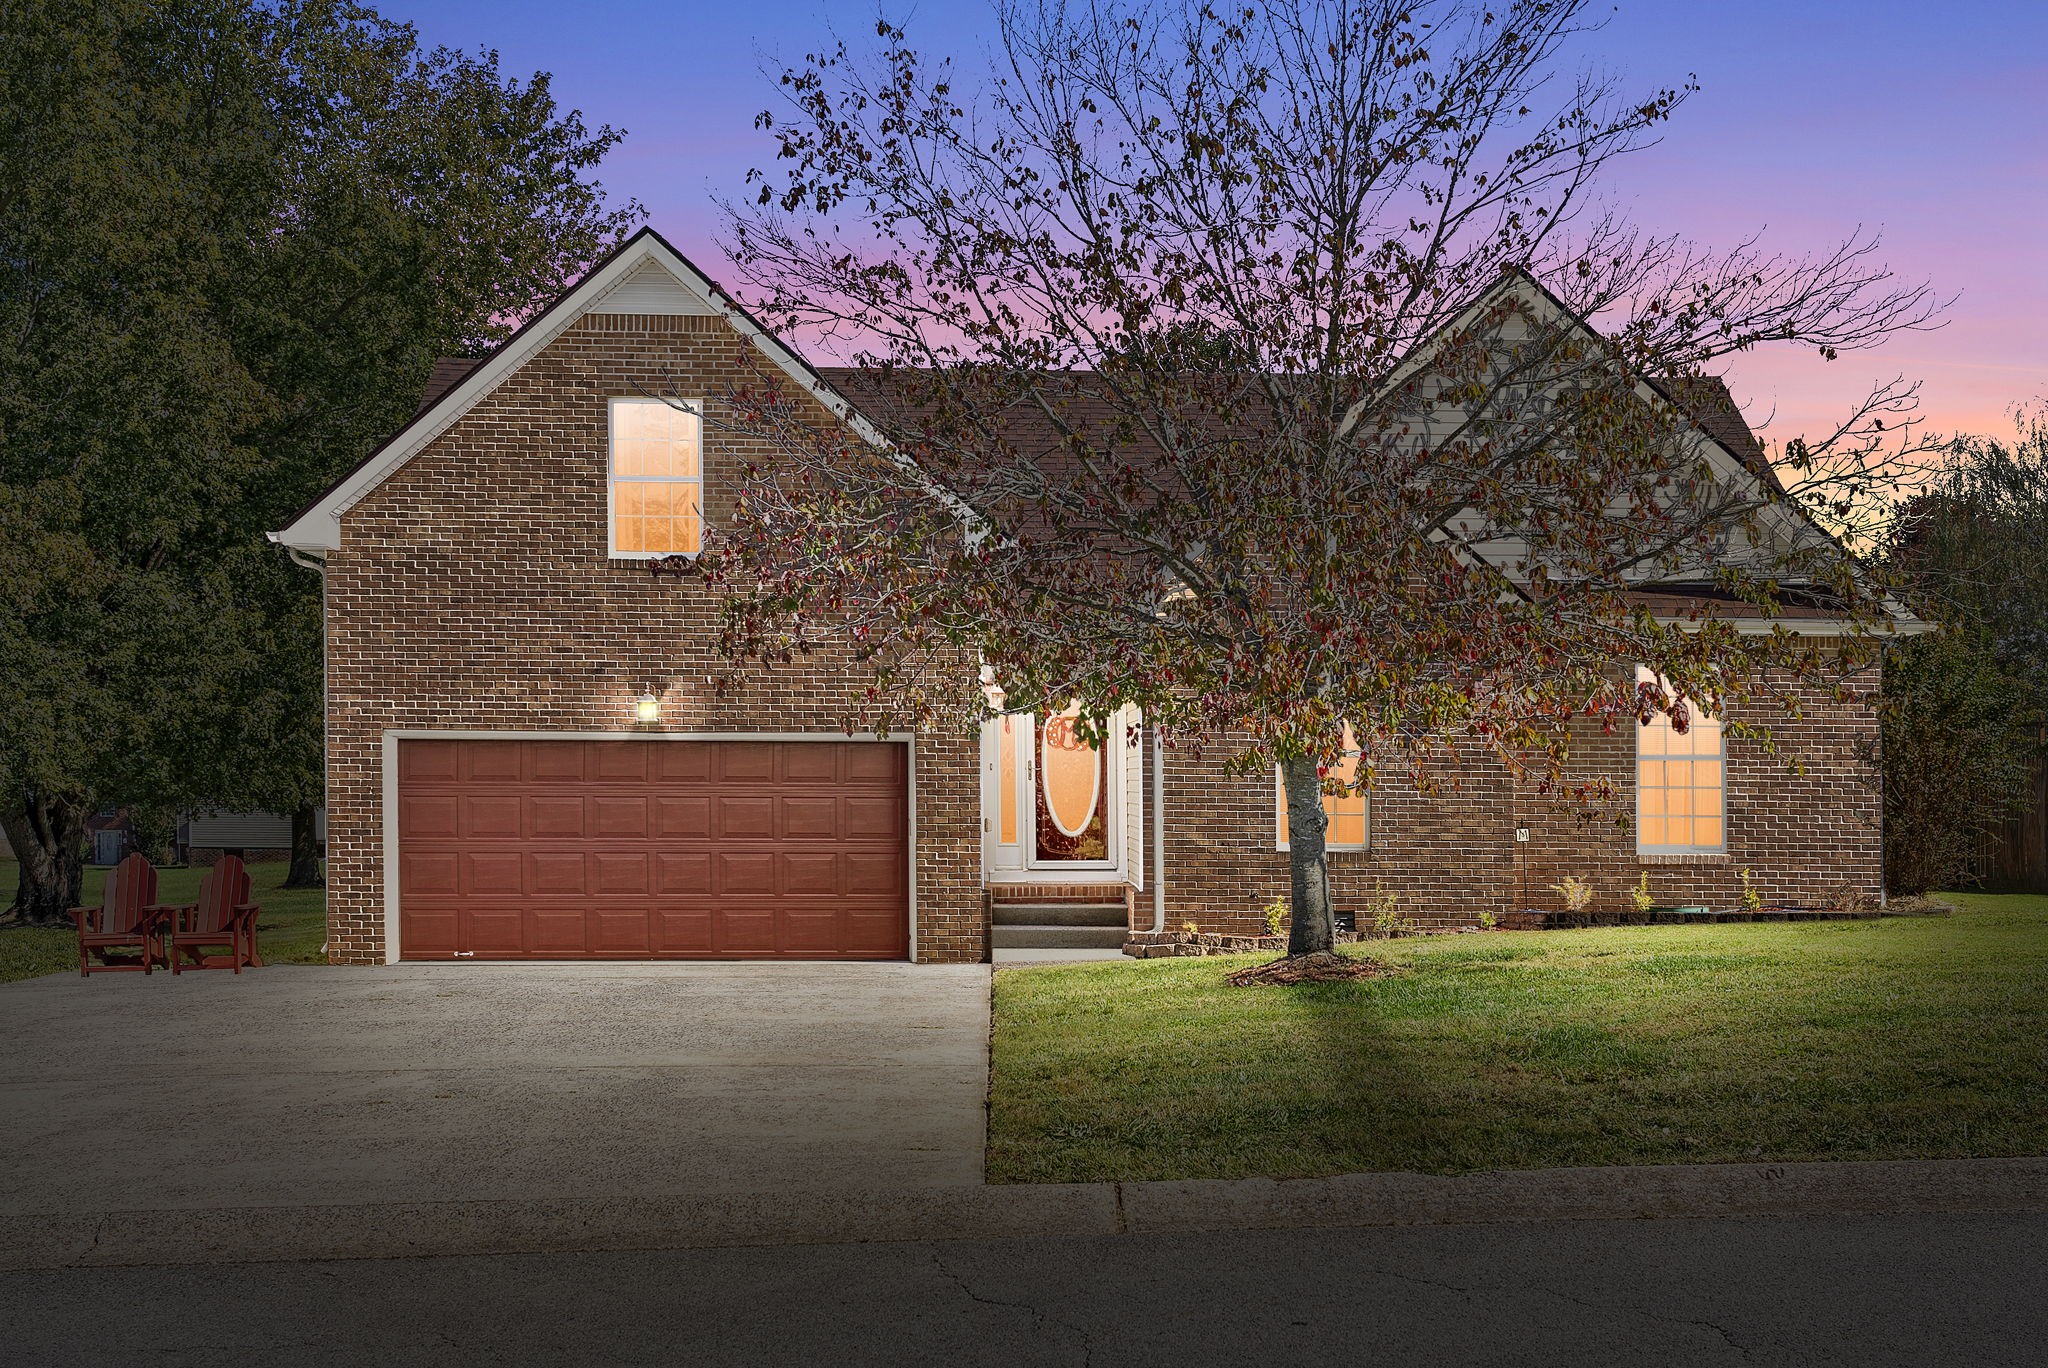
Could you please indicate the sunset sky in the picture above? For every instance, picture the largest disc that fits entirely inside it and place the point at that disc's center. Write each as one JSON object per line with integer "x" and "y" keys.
{"x": 1926, "y": 121}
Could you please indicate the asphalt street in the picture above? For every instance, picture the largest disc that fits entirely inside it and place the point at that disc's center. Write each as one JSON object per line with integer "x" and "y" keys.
{"x": 1863, "y": 1290}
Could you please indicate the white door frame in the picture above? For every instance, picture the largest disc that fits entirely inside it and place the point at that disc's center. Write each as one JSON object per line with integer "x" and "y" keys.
{"x": 1024, "y": 866}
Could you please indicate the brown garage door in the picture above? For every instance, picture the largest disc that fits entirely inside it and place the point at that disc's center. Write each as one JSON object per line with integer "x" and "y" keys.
{"x": 653, "y": 850}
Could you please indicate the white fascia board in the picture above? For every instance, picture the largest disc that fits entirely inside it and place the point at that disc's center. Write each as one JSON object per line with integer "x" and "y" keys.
{"x": 318, "y": 530}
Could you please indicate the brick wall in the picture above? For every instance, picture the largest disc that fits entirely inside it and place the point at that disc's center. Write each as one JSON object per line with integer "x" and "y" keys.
{"x": 1449, "y": 855}
{"x": 472, "y": 590}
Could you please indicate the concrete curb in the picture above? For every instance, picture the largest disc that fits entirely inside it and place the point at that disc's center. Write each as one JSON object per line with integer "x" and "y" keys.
{"x": 428, "y": 1229}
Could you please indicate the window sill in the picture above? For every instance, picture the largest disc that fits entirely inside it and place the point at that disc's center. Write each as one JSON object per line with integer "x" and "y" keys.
{"x": 1683, "y": 857}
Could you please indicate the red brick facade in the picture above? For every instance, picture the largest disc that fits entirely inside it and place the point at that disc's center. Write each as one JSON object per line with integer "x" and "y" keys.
{"x": 472, "y": 590}
{"x": 1804, "y": 820}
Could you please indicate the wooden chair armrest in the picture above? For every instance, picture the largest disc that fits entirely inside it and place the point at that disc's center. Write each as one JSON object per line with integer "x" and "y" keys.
{"x": 248, "y": 909}
{"x": 170, "y": 913}
{"x": 81, "y": 915}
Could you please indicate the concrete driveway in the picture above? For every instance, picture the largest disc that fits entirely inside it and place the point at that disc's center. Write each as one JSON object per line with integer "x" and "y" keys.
{"x": 425, "y": 1083}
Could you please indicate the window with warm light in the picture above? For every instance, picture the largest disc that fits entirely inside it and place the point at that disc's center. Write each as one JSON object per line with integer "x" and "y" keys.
{"x": 1346, "y": 811}
{"x": 1680, "y": 785}
{"x": 657, "y": 479}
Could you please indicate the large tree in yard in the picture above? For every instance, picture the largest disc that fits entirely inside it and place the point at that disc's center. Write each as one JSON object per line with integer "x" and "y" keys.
{"x": 234, "y": 238}
{"x": 1966, "y": 707}
{"x": 1275, "y": 370}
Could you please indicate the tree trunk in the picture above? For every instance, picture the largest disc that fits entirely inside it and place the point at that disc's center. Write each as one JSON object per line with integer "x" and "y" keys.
{"x": 1311, "y": 927}
{"x": 305, "y": 870}
{"x": 48, "y": 836}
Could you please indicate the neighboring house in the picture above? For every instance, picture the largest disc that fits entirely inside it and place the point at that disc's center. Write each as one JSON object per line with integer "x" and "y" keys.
{"x": 496, "y": 790}
{"x": 204, "y": 837}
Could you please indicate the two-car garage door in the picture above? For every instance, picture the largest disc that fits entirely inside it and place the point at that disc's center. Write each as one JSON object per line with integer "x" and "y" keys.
{"x": 558, "y": 849}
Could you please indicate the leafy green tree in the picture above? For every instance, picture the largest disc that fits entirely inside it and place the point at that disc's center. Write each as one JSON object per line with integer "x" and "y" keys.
{"x": 1965, "y": 707}
{"x": 235, "y": 237}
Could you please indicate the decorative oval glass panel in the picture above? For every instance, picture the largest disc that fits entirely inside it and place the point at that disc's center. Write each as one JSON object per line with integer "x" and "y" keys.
{"x": 1071, "y": 774}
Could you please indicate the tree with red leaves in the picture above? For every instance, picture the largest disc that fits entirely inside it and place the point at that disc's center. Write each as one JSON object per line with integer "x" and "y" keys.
{"x": 1274, "y": 370}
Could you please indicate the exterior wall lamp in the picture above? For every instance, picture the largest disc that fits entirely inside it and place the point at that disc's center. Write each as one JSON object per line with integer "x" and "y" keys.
{"x": 647, "y": 708}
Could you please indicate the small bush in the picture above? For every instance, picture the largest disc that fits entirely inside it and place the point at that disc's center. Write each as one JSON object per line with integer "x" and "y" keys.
{"x": 1576, "y": 892}
{"x": 1387, "y": 920}
{"x": 1276, "y": 914}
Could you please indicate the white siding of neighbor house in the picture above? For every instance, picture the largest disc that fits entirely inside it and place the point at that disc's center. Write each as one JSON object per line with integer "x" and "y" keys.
{"x": 651, "y": 290}
{"x": 247, "y": 830}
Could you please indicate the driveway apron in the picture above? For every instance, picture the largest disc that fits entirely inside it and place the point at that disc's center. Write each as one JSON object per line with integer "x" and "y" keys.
{"x": 420, "y": 1083}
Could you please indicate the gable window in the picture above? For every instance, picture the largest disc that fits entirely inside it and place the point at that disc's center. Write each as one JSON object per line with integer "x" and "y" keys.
{"x": 657, "y": 479}
{"x": 1346, "y": 811}
{"x": 1679, "y": 784}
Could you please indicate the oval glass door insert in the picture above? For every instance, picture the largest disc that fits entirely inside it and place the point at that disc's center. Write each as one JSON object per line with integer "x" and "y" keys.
{"x": 1070, "y": 772}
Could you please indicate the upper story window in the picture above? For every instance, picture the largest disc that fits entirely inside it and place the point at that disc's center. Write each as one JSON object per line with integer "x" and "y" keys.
{"x": 1346, "y": 811}
{"x": 657, "y": 479}
{"x": 1679, "y": 784}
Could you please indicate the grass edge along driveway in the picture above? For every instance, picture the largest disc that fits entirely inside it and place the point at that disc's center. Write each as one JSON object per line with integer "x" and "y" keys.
{"x": 290, "y": 930}
{"x": 1898, "y": 1038}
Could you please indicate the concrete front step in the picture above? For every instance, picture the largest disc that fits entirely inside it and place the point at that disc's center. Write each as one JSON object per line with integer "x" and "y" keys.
{"x": 1060, "y": 914}
{"x": 1014, "y": 958}
{"x": 1045, "y": 937}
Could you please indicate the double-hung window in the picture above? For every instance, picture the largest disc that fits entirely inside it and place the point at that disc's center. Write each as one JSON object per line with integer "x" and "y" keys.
{"x": 1680, "y": 784}
{"x": 1346, "y": 811}
{"x": 657, "y": 479}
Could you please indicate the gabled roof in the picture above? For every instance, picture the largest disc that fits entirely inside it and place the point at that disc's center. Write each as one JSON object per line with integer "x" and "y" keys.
{"x": 646, "y": 274}
{"x": 448, "y": 372}
{"x": 642, "y": 274}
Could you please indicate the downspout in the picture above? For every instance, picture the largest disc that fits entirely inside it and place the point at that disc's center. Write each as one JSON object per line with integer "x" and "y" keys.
{"x": 318, "y": 565}
{"x": 1158, "y": 830}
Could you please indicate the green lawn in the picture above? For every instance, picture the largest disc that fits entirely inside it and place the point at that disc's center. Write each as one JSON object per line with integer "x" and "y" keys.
{"x": 291, "y": 929}
{"x": 1898, "y": 1038}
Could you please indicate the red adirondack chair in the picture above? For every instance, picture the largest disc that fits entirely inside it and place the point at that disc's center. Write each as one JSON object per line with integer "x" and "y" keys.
{"x": 126, "y": 919}
{"x": 223, "y": 917}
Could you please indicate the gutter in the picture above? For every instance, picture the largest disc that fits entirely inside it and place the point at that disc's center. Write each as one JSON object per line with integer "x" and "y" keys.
{"x": 1158, "y": 830}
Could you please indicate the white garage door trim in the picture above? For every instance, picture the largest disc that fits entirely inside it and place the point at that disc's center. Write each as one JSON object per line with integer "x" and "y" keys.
{"x": 390, "y": 804}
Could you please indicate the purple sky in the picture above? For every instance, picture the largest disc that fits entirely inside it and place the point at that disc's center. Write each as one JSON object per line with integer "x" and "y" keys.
{"x": 1926, "y": 120}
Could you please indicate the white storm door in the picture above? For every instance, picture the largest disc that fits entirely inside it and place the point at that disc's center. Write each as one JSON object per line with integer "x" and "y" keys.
{"x": 1074, "y": 798}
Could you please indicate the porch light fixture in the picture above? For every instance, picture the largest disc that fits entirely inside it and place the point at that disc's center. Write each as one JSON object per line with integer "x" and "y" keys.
{"x": 647, "y": 708}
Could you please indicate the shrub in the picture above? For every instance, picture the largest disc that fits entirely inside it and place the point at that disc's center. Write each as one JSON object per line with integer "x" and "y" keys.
{"x": 1387, "y": 920}
{"x": 1576, "y": 892}
{"x": 1276, "y": 914}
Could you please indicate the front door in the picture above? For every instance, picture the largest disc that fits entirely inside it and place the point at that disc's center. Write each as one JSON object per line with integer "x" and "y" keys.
{"x": 1051, "y": 799}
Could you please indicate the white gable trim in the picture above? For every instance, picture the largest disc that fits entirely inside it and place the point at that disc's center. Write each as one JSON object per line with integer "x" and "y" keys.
{"x": 1792, "y": 521}
{"x": 318, "y": 529}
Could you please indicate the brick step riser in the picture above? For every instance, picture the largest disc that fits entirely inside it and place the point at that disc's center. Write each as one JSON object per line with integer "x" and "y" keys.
{"x": 1057, "y": 937}
{"x": 1060, "y": 914}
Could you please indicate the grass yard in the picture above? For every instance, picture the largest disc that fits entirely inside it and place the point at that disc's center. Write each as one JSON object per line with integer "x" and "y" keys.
{"x": 1899, "y": 1038}
{"x": 290, "y": 930}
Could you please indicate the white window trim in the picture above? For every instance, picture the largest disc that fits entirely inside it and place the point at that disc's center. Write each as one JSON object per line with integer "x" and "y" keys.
{"x": 1280, "y": 805}
{"x": 1720, "y": 756}
{"x": 693, "y": 407}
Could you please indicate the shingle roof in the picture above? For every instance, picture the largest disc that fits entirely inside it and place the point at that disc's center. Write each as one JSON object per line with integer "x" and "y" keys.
{"x": 448, "y": 372}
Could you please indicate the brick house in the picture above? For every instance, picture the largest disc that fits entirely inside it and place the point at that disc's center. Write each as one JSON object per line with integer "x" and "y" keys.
{"x": 525, "y": 758}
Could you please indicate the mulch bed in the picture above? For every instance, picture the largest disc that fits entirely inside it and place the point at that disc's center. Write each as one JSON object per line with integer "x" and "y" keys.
{"x": 1321, "y": 966}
